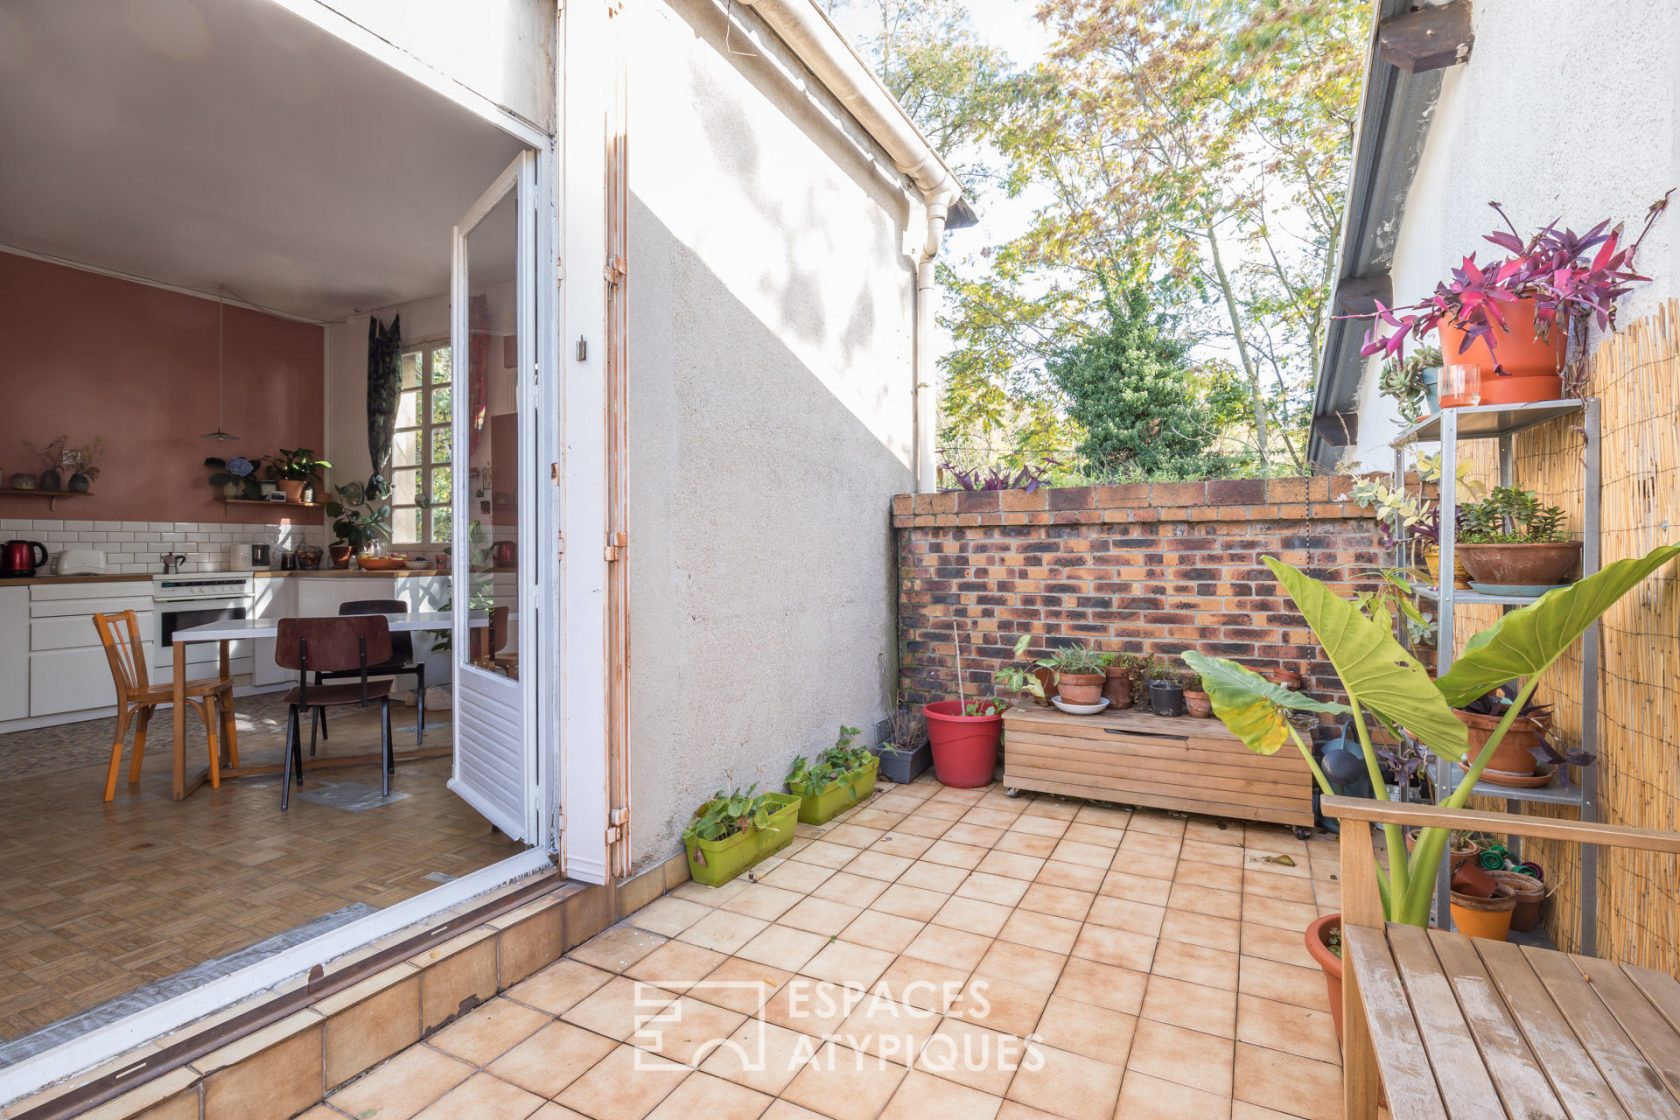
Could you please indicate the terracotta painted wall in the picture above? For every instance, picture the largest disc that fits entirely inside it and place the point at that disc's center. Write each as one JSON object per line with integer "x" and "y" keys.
{"x": 89, "y": 355}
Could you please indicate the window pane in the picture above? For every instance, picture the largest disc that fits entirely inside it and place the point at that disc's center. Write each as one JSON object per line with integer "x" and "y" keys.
{"x": 441, "y": 490}
{"x": 405, "y": 449}
{"x": 440, "y": 444}
{"x": 441, "y": 522}
{"x": 408, "y": 409}
{"x": 405, "y": 487}
{"x": 441, "y": 398}
{"x": 440, "y": 365}
{"x": 405, "y": 524}
{"x": 411, "y": 364}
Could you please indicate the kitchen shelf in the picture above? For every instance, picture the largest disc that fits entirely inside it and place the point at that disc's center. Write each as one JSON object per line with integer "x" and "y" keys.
{"x": 52, "y": 496}
{"x": 272, "y": 505}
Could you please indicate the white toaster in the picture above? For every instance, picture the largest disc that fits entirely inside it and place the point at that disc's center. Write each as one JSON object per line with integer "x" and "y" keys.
{"x": 81, "y": 562}
{"x": 239, "y": 558}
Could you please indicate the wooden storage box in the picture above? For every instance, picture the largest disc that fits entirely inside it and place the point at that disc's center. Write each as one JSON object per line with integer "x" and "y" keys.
{"x": 1136, "y": 758}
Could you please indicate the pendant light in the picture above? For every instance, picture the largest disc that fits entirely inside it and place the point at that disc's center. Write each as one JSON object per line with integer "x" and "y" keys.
{"x": 220, "y": 434}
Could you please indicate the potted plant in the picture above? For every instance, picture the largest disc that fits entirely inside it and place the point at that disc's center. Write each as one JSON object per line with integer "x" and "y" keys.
{"x": 1513, "y": 758}
{"x": 236, "y": 477}
{"x": 732, "y": 831}
{"x": 52, "y": 457}
{"x": 1080, "y": 673}
{"x": 1033, "y": 680}
{"x": 1413, "y": 383}
{"x": 1166, "y": 688}
{"x": 357, "y": 523}
{"x": 842, "y": 776}
{"x": 1386, "y": 687}
{"x": 964, "y": 734}
{"x": 296, "y": 469}
{"x": 904, "y": 750}
{"x": 1120, "y": 679}
{"x": 81, "y": 463}
{"x": 1196, "y": 702}
{"x": 1512, "y": 317}
{"x": 1510, "y": 539}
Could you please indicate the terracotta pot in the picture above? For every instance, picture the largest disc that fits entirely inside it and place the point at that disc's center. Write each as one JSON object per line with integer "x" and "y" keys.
{"x": 1458, "y": 856}
{"x": 1198, "y": 704}
{"x": 340, "y": 553}
{"x": 965, "y": 748}
{"x": 1530, "y": 364}
{"x": 1526, "y": 564}
{"x": 1432, "y": 564}
{"x": 1117, "y": 688}
{"x": 1046, "y": 679}
{"x": 292, "y": 488}
{"x": 1514, "y": 753}
{"x": 1484, "y": 917}
{"x": 1285, "y": 677}
{"x": 1080, "y": 688}
{"x": 1530, "y": 894}
{"x": 1319, "y": 947}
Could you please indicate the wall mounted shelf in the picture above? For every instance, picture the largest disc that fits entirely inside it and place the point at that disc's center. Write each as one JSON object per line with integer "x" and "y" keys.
{"x": 52, "y": 496}
{"x": 272, "y": 505}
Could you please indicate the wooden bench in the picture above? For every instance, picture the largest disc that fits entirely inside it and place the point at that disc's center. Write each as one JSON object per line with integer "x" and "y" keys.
{"x": 1451, "y": 1026}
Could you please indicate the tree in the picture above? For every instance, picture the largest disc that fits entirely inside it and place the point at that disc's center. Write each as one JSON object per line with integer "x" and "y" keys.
{"x": 1128, "y": 386}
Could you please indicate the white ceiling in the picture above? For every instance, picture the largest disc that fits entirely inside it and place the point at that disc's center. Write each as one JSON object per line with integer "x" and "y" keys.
{"x": 228, "y": 142}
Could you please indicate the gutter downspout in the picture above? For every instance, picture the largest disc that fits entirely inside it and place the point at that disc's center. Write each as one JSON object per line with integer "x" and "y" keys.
{"x": 815, "y": 41}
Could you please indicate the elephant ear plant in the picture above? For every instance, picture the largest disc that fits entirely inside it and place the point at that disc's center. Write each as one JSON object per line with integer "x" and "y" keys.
{"x": 1386, "y": 685}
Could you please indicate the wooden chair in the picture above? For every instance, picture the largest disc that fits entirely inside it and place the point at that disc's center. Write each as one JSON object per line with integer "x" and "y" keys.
{"x": 347, "y": 643}
{"x": 137, "y": 698}
{"x": 1451, "y": 1026}
{"x": 402, "y": 663}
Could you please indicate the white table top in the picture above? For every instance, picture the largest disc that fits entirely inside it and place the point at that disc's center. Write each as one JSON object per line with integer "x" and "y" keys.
{"x": 238, "y": 628}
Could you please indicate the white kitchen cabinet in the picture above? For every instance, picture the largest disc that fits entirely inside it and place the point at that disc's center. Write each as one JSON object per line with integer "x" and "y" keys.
{"x": 276, "y": 598}
{"x": 70, "y": 680}
{"x": 14, "y": 653}
{"x": 429, "y": 593}
{"x": 68, "y": 669}
{"x": 322, "y": 595}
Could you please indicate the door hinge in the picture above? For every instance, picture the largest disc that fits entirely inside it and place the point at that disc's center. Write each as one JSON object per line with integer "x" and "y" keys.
{"x": 618, "y": 822}
{"x": 560, "y": 543}
{"x": 614, "y": 272}
{"x": 616, "y": 545}
{"x": 560, "y": 269}
{"x": 554, "y": 473}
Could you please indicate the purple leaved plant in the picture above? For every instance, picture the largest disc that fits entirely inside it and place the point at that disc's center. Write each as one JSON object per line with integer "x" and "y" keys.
{"x": 1026, "y": 478}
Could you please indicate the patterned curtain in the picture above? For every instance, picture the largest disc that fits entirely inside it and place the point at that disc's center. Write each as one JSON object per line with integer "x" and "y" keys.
{"x": 384, "y": 388}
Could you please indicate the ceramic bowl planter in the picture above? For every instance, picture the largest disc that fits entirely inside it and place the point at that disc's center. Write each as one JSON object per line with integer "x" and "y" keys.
{"x": 1319, "y": 938}
{"x": 715, "y": 862}
{"x": 819, "y": 806}
{"x": 965, "y": 747}
{"x": 1488, "y": 918}
{"x": 1528, "y": 361}
{"x": 1197, "y": 704}
{"x": 1166, "y": 698}
{"x": 1528, "y": 564}
{"x": 1080, "y": 688}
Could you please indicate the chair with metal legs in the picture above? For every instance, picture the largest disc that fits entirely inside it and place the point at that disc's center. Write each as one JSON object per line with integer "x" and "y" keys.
{"x": 402, "y": 663}
{"x": 348, "y": 645}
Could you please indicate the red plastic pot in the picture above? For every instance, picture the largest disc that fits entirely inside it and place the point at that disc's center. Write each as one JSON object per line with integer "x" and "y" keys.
{"x": 965, "y": 748}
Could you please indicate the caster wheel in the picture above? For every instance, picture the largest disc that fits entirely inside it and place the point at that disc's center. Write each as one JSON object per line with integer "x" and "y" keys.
{"x": 1012, "y": 792}
{"x": 1302, "y": 832}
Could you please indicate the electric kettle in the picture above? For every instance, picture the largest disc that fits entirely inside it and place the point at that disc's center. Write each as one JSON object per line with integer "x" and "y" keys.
{"x": 21, "y": 558}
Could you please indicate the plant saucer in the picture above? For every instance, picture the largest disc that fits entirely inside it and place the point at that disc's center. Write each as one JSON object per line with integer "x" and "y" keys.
{"x": 1525, "y": 590}
{"x": 1541, "y": 777}
{"x": 1079, "y": 709}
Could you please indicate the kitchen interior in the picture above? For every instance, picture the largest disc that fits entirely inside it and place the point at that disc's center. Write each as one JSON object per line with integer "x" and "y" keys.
{"x": 219, "y": 226}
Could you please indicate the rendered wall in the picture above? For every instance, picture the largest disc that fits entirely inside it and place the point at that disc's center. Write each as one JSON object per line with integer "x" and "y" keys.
{"x": 770, "y": 370}
{"x": 1591, "y": 134}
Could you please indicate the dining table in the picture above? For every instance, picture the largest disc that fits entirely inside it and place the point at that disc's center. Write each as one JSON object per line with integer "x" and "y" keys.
{"x": 245, "y": 629}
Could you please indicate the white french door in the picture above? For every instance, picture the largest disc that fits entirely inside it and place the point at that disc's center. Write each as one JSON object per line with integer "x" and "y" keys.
{"x": 493, "y": 336}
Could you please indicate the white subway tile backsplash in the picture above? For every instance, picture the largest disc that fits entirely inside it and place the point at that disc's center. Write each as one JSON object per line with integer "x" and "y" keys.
{"x": 134, "y": 547}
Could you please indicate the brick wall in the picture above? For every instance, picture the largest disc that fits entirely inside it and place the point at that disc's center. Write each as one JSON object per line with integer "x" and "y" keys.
{"x": 1148, "y": 568}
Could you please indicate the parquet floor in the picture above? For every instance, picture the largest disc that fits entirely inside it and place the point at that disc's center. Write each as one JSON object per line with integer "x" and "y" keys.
{"x": 97, "y": 899}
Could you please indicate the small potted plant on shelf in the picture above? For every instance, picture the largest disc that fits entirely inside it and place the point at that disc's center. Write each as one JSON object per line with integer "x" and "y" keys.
{"x": 1510, "y": 541}
{"x": 964, "y": 734}
{"x": 1413, "y": 383}
{"x": 295, "y": 470}
{"x": 842, "y": 776}
{"x": 52, "y": 458}
{"x": 357, "y": 523}
{"x": 1033, "y": 680}
{"x": 1120, "y": 680}
{"x": 1513, "y": 761}
{"x": 732, "y": 831}
{"x": 1196, "y": 702}
{"x": 82, "y": 465}
{"x": 1166, "y": 688}
{"x": 1512, "y": 317}
{"x": 236, "y": 477}
{"x": 1080, "y": 673}
{"x": 904, "y": 750}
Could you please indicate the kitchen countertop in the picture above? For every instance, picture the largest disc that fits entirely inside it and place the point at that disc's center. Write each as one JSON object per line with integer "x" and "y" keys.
{"x": 146, "y": 577}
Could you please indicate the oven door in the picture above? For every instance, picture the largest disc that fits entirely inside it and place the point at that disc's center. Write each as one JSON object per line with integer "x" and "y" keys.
{"x": 187, "y": 613}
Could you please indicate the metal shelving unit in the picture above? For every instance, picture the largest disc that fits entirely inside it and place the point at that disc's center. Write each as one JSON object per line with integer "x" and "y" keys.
{"x": 1502, "y": 422}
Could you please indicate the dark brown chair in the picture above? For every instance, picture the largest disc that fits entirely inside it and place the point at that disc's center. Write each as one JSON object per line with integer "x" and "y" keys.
{"x": 402, "y": 663}
{"x": 351, "y": 645}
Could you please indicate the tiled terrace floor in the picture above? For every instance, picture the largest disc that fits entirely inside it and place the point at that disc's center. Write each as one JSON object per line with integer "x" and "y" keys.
{"x": 1155, "y": 963}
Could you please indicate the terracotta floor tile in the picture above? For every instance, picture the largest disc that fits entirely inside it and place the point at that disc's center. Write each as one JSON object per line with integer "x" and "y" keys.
{"x": 1286, "y": 983}
{"x": 824, "y": 854}
{"x": 1287, "y": 1083}
{"x": 1276, "y": 886}
{"x": 972, "y": 916}
{"x": 687, "y": 1030}
{"x": 1100, "y": 835}
{"x": 1242, "y": 1110}
{"x": 618, "y": 947}
{"x": 1061, "y": 902}
{"x": 1072, "y": 876}
{"x": 931, "y": 828}
{"x": 915, "y": 903}
{"x": 1030, "y": 967}
{"x": 940, "y": 877}
{"x": 1138, "y": 842}
{"x": 783, "y": 1110}
{"x": 855, "y": 966}
{"x": 668, "y": 916}
{"x": 1136, "y": 888}
{"x": 947, "y": 946}
{"x": 951, "y": 854}
{"x": 1026, "y": 844}
{"x": 1202, "y": 929}
{"x": 971, "y": 1055}
{"x": 1058, "y": 810}
{"x": 852, "y": 890}
{"x": 1160, "y": 824}
{"x": 1143, "y": 1097}
{"x": 627, "y": 1084}
{"x": 1013, "y": 865}
{"x": 480, "y": 1096}
{"x": 1082, "y": 855}
{"x": 900, "y": 843}
{"x": 856, "y": 835}
{"x": 941, "y": 810}
{"x": 1198, "y": 964}
{"x": 1205, "y": 900}
{"x": 1218, "y": 878}
{"x": 922, "y": 1096}
{"x": 815, "y": 1007}
{"x": 762, "y": 1056}
{"x": 1195, "y": 1006}
{"x": 723, "y": 931}
{"x": 1109, "y": 816}
{"x": 1289, "y": 1028}
{"x": 676, "y": 965}
{"x": 558, "y": 986}
{"x": 711, "y": 1097}
{"x": 1039, "y": 826}
{"x": 1213, "y": 831}
{"x": 873, "y": 817}
{"x": 874, "y": 864}
{"x": 1103, "y": 985}
{"x": 1084, "y": 1028}
{"x": 1283, "y": 945}
{"x": 741, "y": 985}
{"x": 401, "y": 1087}
{"x": 1265, "y": 911}
{"x": 924, "y": 984}
{"x": 1067, "y": 1085}
{"x": 1186, "y": 1057}
{"x": 762, "y": 901}
{"x": 1041, "y": 931}
{"x": 798, "y": 876}
{"x": 844, "y": 1084}
{"x": 617, "y": 1008}
{"x": 967, "y": 798}
{"x": 486, "y": 1032}
{"x": 1115, "y": 946}
{"x": 710, "y": 896}
{"x": 1121, "y": 913}
{"x": 819, "y": 915}
{"x": 888, "y": 1029}
{"x": 992, "y": 818}
{"x": 783, "y": 947}
{"x": 880, "y": 930}
{"x": 1146, "y": 864}
{"x": 1220, "y": 855}
{"x": 552, "y": 1058}
{"x": 1001, "y": 1005}
{"x": 977, "y": 834}
{"x": 987, "y": 887}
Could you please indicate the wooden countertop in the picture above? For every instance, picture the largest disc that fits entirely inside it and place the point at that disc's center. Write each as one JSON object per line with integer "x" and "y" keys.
{"x": 146, "y": 577}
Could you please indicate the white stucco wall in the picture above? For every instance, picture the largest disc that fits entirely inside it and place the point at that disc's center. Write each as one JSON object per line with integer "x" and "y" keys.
{"x": 771, "y": 305}
{"x": 1565, "y": 110}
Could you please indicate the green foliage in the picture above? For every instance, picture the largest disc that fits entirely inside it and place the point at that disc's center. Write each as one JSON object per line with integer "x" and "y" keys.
{"x": 1078, "y": 659}
{"x": 296, "y": 464}
{"x": 1511, "y": 515}
{"x": 726, "y": 814}
{"x": 356, "y": 522}
{"x": 1252, "y": 707}
{"x": 841, "y": 762}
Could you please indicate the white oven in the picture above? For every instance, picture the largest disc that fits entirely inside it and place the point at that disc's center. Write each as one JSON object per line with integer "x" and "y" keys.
{"x": 190, "y": 599}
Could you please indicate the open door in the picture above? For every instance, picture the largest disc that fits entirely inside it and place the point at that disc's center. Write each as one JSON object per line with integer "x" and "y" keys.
{"x": 493, "y": 336}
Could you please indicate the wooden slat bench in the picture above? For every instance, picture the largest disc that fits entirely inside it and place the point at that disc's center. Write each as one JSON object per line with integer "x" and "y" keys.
{"x": 1451, "y": 1026}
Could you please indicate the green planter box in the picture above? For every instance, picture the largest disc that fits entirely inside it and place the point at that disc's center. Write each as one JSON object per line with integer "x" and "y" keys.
{"x": 840, "y": 794}
{"x": 715, "y": 862}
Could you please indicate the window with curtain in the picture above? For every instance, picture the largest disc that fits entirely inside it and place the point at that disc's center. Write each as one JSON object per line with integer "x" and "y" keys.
{"x": 422, "y": 475}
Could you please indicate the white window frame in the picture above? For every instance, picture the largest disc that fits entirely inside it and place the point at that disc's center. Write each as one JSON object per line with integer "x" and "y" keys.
{"x": 428, "y": 349}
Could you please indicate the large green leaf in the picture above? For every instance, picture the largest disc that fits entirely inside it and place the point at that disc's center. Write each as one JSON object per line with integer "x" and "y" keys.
{"x": 1526, "y": 641}
{"x": 1375, "y": 671}
{"x": 1250, "y": 706}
